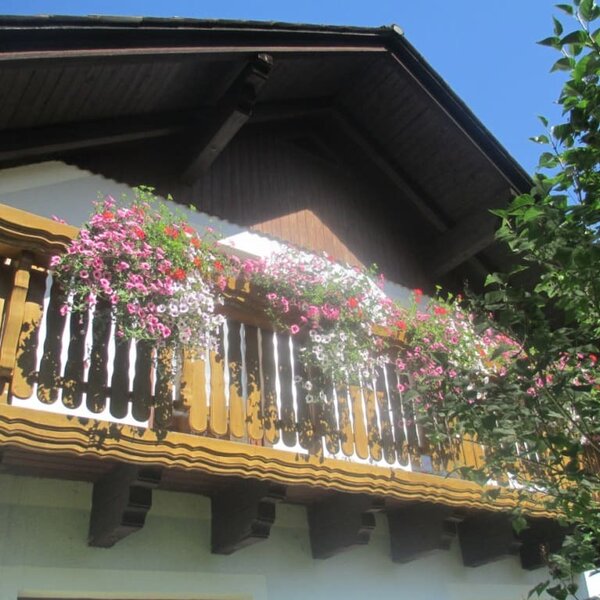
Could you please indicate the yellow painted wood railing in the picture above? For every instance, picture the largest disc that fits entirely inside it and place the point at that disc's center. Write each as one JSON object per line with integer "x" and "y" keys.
{"x": 246, "y": 391}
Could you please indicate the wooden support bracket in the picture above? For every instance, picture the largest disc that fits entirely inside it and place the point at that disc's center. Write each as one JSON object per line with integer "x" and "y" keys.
{"x": 487, "y": 537}
{"x": 236, "y": 108}
{"x": 243, "y": 515}
{"x": 541, "y": 538}
{"x": 120, "y": 501}
{"x": 419, "y": 529}
{"x": 341, "y": 522}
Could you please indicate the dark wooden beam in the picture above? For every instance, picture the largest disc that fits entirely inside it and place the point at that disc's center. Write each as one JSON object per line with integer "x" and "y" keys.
{"x": 400, "y": 180}
{"x": 243, "y": 515}
{"x": 540, "y": 539}
{"x": 487, "y": 537}
{"x": 236, "y": 109}
{"x": 420, "y": 529}
{"x": 120, "y": 501}
{"x": 462, "y": 242}
{"x": 20, "y": 145}
{"x": 341, "y": 522}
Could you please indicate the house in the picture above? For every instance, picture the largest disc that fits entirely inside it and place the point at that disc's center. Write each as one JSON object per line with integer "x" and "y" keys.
{"x": 332, "y": 139}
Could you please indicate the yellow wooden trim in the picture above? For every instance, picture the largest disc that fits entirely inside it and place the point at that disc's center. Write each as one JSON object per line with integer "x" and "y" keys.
{"x": 50, "y": 432}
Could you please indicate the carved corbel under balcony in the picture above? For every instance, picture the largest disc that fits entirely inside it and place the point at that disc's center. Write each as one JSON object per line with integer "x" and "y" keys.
{"x": 120, "y": 501}
{"x": 341, "y": 522}
{"x": 243, "y": 515}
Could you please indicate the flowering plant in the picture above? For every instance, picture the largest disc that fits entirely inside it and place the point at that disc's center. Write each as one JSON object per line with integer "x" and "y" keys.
{"x": 447, "y": 362}
{"x": 443, "y": 344}
{"x": 157, "y": 279}
{"x": 331, "y": 309}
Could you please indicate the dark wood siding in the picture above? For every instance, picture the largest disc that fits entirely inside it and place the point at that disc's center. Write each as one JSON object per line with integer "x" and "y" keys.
{"x": 275, "y": 184}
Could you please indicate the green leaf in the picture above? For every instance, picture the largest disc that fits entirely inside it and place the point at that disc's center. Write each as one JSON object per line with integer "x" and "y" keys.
{"x": 575, "y": 37}
{"x": 566, "y": 8}
{"x": 540, "y": 139}
{"x": 586, "y": 10}
{"x": 562, "y": 64}
{"x": 558, "y": 28}
{"x": 552, "y": 42}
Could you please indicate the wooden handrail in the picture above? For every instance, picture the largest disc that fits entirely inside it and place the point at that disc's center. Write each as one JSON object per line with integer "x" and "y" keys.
{"x": 261, "y": 404}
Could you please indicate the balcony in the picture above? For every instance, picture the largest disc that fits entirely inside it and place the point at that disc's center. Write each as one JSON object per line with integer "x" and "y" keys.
{"x": 80, "y": 405}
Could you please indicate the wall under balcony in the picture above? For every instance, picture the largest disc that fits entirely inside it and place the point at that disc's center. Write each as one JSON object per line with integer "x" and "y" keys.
{"x": 43, "y": 553}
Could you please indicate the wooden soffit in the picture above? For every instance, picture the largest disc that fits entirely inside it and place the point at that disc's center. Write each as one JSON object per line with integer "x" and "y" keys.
{"x": 54, "y": 433}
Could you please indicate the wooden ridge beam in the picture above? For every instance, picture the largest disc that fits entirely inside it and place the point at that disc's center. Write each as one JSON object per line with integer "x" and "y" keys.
{"x": 487, "y": 537}
{"x": 420, "y": 529}
{"x": 236, "y": 108}
{"x": 341, "y": 522}
{"x": 120, "y": 502}
{"x": 243, "y": 515}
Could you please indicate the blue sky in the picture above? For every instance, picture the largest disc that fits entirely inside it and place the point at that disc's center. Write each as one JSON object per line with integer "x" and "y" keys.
{"x": 485, "y": 49}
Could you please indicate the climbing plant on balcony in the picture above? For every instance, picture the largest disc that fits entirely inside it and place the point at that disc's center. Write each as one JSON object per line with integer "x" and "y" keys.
{"x": 333, "y": 312}
{"x": 541, "y": 420}
{"x": 148, "y": 270}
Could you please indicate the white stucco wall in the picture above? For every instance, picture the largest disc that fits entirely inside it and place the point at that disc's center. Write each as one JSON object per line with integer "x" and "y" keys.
{"x": 43, "y": 552}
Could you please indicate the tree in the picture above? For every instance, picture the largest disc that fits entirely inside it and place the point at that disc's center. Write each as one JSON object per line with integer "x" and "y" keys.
{"x": 540, "y": 421}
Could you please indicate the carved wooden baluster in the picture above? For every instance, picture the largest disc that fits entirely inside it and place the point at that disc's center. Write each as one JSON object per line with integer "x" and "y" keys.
{"x": 361, "y": 441}
{"x": 237, "y": 417}
{"x": 372, "y": 421}
{"x": 472, "y": 452}
{"x": 307, "y": 435}
{"x": 193, "y": 391}
{"x": 119, "y": 384}
{"x": 288, "y": 417}
{"x": 142, "y": 382}
{"x": 15, "y": 310}
{"x": 398, "y": 417}
{"x": 98, "y": 371}
{"x": 163, "y": 393}
{"x": 254, "y": 419}
{"x": 24, "y": 374}
{"x": 218, "y": 406}
{"x": 72, "y": 393}
{"x": 50, "y": 365}
{"x": 329, "y": 419}
{"x": 383, "y": 399}
{"x": 267, "y": 369}
{"x": 412, "y": 437}
{"x": 6, "y": 282}
{"x": 345, "y": 423}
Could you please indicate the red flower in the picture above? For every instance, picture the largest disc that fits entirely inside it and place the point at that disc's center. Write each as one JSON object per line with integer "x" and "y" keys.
{"x": 418, "y": 293}
{"x": 440, "y": 310}
{"x": 352, "y": 302}
{"x": 138, "y": 232}
{"x": 196, "y": 242}
{"x": 171, "y": 231}
{"x": 179, "y": 274}
{"x": 188, "y": 229}
{"x": 593, "y": 358}
{"x": 401, "y": 325}
{"x": 108, "y": 215}
{"x": 197, "y": 262}
{"x": 218, "y": 265}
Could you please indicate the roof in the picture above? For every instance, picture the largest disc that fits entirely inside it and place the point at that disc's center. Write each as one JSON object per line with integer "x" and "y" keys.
{"x": 57, "y": 72}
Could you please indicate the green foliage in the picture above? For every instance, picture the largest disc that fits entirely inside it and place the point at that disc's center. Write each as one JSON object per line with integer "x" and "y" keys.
{"x": 541, "y": 423}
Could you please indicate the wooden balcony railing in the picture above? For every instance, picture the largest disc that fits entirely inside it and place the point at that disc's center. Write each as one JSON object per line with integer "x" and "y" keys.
{"x": 244, "y": 392}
